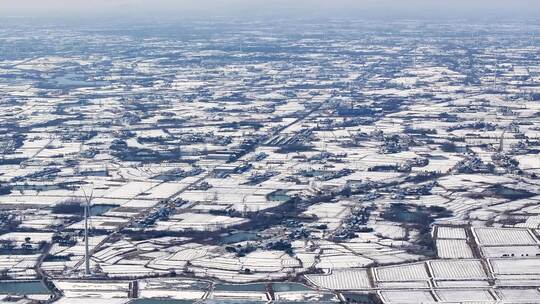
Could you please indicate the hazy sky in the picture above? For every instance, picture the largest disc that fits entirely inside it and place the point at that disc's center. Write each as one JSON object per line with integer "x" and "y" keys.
{"x": 273, "y": 8}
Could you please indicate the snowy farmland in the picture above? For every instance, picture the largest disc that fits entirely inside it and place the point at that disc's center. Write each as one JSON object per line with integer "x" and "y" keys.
{"x": 218, "y": 161}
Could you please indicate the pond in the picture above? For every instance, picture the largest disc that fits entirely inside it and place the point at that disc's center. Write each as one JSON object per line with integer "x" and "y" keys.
{"x": 240, "y": 236}
{"x": 241, "y": 287}
{"x": 358, "y": 298}
{"x": 36, "y": 187}
{"x": 72, "y": 79}
{"x": 438, "y": 157}
{"x": 75, "y": 80}
{"x": 279, "y": 196}
{"x": 100, "y": 209}
{"x": 282, "y": 287}
{"x": 23, "y": 287}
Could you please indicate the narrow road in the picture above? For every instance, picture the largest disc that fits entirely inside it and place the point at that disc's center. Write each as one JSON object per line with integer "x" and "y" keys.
{"x": 56, "y": 294}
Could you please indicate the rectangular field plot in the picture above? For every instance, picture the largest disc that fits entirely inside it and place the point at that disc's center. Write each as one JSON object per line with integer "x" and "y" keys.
{"x": 454, "y": 249}
{"x": 462, "y": 284}
{"x": 510, "y": 251}
{"x": 529, "y": 295}
{"x": 451, "y": 233}
{"x": 99, "y": 289}
{"x": 515, "y": 266}
{"x": 173, "y": 288}
{"x": 406, "y": 296}
{"x": 457, "y": 269}
{"x": 504, "y": 236}
{"x": 465, "y": 295}
{"x": 411, "y": 272}
{"x": 521, "y": 282}
{"x": 403, "y": 285}
{"x": 342, "y": 280}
